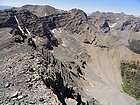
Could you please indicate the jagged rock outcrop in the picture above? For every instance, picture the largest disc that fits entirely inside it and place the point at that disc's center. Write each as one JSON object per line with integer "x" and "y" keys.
{"x": 54, "y": 57}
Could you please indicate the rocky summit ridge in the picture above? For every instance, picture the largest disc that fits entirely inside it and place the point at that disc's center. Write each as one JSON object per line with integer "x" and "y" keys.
{"x": 55, "y": 57}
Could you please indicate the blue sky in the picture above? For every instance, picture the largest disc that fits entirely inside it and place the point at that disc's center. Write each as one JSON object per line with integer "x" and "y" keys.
{"x": 89, "y": 6}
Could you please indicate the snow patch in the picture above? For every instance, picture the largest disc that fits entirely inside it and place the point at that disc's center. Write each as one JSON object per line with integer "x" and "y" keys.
{"x": 29, "y": 33}
{"x": 19, "y": 25}
{"x": 70, "y": 11}
{"x": 54, "y": 30}
{"x": 52, "y": 51}
{"x": 113, "y": 25}
{"x": 34, "y": 39}
{"x": 45, "y": 14}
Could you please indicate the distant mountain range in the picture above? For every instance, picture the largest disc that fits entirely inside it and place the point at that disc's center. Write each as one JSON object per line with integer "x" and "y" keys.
{"x": 4, "y": 7}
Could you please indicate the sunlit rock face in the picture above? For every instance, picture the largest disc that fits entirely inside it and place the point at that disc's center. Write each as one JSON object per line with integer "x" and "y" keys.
{"x": 51, "y": 57}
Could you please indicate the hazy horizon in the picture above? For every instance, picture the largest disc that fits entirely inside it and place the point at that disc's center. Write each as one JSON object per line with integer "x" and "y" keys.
{"x": 130, "y": 7}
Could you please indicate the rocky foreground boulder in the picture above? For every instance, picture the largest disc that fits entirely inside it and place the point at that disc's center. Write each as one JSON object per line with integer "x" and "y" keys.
{"x": 55, "y": 57}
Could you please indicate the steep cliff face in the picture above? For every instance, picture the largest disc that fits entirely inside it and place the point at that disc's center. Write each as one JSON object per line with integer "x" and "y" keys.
{"x": 65, "y": 57}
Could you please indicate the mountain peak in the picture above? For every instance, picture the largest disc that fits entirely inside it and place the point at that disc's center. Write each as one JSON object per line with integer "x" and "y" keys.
{"x": 41, "y": 10}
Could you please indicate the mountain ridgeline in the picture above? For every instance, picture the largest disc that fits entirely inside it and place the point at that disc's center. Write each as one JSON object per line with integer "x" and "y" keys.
{"x": 50, "y": 56}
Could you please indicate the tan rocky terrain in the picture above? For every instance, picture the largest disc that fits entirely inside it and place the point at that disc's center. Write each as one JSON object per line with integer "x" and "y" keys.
{"x": 55, "y": 57}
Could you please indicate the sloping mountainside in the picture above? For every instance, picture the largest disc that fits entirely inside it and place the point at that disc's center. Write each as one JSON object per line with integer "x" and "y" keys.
{"x": 55, "y": 57}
